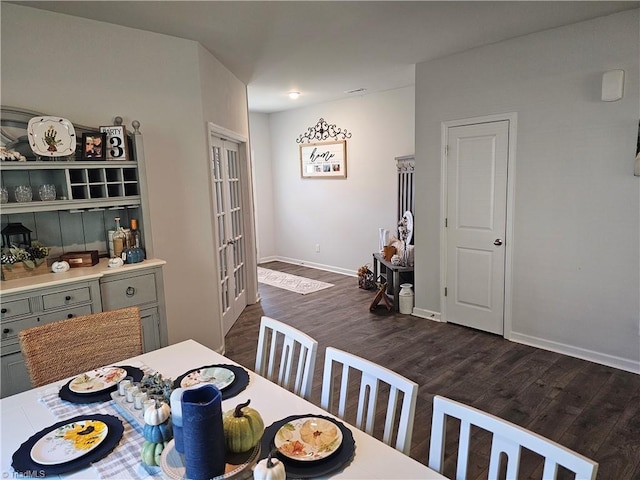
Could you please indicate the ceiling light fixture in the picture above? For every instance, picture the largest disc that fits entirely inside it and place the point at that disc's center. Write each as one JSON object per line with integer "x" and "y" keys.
{"x": 294, "y": 95}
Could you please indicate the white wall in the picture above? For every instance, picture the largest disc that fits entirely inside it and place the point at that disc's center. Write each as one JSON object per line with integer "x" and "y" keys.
{"x": 89, "y": 72}
{"x": 341, "y": 215}
{"x": 263, "y": 185}
{"x": 576, "y": 265}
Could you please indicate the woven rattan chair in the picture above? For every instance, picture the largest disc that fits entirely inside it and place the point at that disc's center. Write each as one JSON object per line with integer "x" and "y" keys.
{"x": 69, "y": 347}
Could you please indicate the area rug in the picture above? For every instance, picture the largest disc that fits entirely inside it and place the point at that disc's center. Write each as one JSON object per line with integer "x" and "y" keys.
{"x": 290, "y": 282}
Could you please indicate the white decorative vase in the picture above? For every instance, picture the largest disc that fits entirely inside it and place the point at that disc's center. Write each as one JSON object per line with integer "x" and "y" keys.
{"x": 406, "y": 298}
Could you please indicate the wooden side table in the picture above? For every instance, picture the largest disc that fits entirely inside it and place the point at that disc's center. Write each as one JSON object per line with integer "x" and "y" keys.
{"x": 391, "y": 273}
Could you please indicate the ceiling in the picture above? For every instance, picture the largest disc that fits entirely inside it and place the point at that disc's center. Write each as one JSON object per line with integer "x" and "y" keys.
{"x": 324, "y": 49}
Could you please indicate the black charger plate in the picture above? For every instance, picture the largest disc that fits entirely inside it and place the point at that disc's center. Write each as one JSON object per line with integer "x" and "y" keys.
{"x": 239, "y": 383}
{"x": 306, "y": 469}
{"x": 24, "y": 464}
{"x": 101, "y": 396}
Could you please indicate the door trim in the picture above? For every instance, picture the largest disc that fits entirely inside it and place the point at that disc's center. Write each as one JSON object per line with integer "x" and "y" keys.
{"x": 249, "y": 217}
{"x": 512, "y": 118}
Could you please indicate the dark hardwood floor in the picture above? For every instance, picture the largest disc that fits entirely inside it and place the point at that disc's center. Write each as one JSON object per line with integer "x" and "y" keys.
{"x": 587, "y": 407}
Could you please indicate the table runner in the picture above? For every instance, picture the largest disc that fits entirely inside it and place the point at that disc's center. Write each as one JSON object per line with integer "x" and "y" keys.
{"x": 124, "y": 461}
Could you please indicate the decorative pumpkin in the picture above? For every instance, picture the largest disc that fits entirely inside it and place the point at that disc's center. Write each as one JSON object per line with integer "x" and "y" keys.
{"x": 151, "y": 452}
{"x": 243, "y": 428}
{"x": 155, "y": 415}
{"x": 269, "y": 469}
{"x": 158, "y": 433}
{"x": 115, "y": 262}
{"x": 59, "y": 267}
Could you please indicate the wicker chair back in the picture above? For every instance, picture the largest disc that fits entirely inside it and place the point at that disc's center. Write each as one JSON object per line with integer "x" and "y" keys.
{"x": 69, "y": 347}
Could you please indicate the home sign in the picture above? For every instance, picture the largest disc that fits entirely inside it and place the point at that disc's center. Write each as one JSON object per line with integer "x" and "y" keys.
{"x": 324, "y": 160}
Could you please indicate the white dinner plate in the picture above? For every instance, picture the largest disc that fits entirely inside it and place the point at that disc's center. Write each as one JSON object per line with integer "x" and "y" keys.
{"x": 69, "y": 442}
{"x": 51, "y": 136}
{"x": 409, "y": 217}
{"x": 97, "y": 380}
{"x": 308, "y": 439}
{"x": 219, "y": 377}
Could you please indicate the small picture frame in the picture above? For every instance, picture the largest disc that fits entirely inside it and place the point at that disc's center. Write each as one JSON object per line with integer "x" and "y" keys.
{"x": 93, "y": 146}
{"x": 117, "y": 142}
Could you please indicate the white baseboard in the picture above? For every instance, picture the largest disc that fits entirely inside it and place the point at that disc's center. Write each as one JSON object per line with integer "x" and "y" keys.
{"x": 632, "y": 366}
{"x": 319, "y": 266}
{"x": 428, "y": 314}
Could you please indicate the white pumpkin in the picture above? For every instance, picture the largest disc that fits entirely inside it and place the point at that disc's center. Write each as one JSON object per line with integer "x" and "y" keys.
{"x": 115, "y": 262}
{"x": 59, "y": 267}
{"x": 269, "y": 469}
{"x": 157, "y": 414}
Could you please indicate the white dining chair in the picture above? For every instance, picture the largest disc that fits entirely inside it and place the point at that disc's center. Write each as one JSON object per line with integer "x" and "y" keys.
{"x": 372, "y": 377}
{"x": 507, "y": 442}
{"x": 279, "y": 345}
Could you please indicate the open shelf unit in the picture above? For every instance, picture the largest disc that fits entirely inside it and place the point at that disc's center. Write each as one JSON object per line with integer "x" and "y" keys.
{"x": 79, "y": 185}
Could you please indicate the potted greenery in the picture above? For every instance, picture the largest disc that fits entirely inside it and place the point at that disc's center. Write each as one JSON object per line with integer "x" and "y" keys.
{"x": 24, "y": 262}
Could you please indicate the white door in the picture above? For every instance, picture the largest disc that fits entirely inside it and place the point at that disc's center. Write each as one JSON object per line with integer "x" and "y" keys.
{"x": 477, "y": 159}
{"x": 229, "y": 228}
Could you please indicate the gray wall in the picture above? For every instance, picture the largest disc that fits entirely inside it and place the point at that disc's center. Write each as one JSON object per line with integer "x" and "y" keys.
{"x": 576, "y": 264}
{"x": 89, "y": 72}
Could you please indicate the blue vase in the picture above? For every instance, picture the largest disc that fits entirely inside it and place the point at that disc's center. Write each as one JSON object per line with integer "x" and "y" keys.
{"x": 203, "y": 433}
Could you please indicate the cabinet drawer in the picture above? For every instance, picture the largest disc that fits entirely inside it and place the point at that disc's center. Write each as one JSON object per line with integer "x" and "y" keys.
{"x": 129, "y": 292}
{"x": 10, "y": 330}
{"x": 66, "y": 298}
{"x": 15, "y": 308}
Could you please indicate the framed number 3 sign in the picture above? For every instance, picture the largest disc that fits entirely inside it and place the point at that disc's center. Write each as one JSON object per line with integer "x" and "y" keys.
{"x": 117, "y": 145}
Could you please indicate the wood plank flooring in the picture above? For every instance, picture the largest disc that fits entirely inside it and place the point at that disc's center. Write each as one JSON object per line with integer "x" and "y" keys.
{"x": 590, "y": 408}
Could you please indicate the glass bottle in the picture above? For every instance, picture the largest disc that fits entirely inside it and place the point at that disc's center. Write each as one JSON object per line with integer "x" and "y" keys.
{"x": 119, "y": 239}
{"x": 134, "y": 253}
{"x": 135, "y": 234}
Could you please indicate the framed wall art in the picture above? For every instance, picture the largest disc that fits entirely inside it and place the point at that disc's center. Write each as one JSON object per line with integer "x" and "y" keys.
{"x": 117, "y": 145}
{"x": 93, "y": 146}
{"x": 324, "y": 160}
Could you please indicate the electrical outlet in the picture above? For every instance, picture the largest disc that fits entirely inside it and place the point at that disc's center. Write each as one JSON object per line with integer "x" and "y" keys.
{"x": 317, "y": 248}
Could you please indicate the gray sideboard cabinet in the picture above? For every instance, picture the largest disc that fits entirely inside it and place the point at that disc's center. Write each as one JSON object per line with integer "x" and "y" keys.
{"x": 90, "y": 194}
{"x": 143, "y": 288}
{"x": 81, "y": 291}
{"x": 30, "y": 308}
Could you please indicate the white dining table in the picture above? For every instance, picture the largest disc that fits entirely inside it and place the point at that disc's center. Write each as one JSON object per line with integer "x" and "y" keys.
{"x": 25, "y": 414}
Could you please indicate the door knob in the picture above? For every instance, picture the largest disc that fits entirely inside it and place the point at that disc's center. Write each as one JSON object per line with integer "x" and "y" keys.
{"x": 497, "y": 242}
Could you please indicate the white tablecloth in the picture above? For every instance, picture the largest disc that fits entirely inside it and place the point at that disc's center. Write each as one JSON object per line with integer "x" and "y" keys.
{"x": 26, "y": 413}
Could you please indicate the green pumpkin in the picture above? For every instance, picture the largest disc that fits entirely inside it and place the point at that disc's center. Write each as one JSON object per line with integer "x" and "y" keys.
{"x": 243, "y": 428}
{"x": 151, "y": 452}
{"x": 158, "y": 433}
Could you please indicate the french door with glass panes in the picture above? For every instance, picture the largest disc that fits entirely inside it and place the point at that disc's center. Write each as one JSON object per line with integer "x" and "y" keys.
{"x": 229, "y": 214}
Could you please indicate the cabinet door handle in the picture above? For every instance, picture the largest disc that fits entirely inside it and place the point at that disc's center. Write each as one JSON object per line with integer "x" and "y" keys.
{"x": 67, "y": 298}
{"x": 70, "y": 315}
{"x": 130, "y": 292}
{"x": 6, "y": 330}
{"x": 4, "y": 310}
